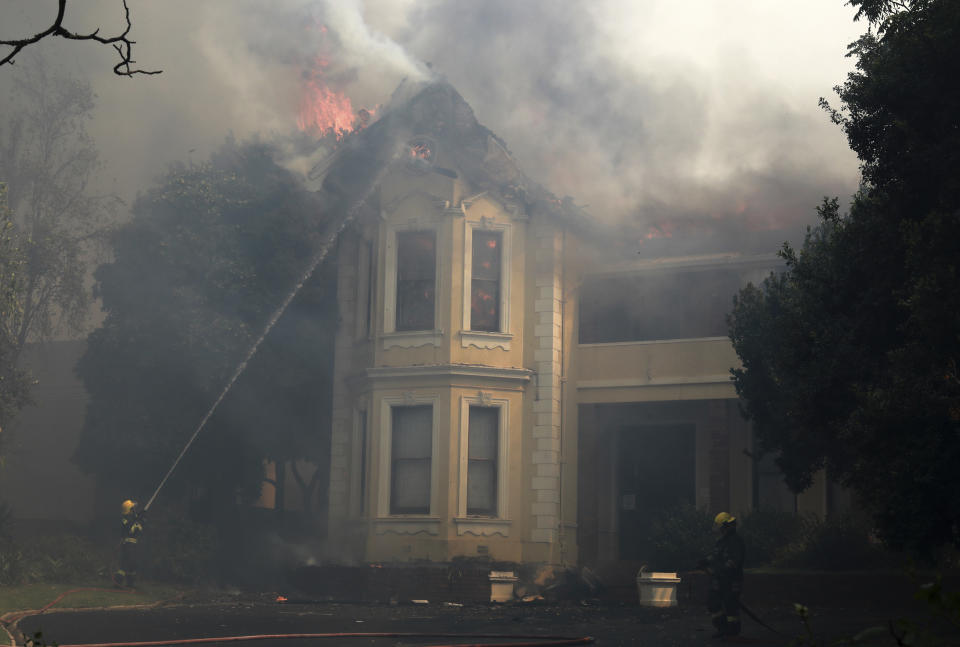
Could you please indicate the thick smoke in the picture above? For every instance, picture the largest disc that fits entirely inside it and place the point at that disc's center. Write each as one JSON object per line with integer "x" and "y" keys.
{"x": 688, "y": 124}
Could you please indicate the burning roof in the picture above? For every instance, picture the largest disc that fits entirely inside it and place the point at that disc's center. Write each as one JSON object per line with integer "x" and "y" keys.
{"x": 431, "y": 121}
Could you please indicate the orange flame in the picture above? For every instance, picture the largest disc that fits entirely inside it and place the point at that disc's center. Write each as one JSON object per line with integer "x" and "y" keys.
{"x": 324, "y": 111}
{"x": 659, "y": 230}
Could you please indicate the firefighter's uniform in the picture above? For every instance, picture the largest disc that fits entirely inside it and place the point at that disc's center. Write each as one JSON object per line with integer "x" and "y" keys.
{"x": 725, "y": 565}
{"x": 131, "y": 526}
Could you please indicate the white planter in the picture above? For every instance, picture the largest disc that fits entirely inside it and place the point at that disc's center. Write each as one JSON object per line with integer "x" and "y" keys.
{"x": 657, "y": 589}
{"x": 501, "y": 585}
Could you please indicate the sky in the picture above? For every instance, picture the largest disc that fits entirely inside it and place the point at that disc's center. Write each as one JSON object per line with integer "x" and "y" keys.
{"x": 673, "y": 115}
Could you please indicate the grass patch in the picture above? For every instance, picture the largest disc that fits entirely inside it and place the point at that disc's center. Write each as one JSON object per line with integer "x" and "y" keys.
{"x": 37, "y": 596}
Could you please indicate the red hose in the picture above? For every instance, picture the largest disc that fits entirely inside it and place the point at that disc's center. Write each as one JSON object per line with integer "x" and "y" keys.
{"x": 530, "y": 640}
{"x": 23, "y": 614}
{"x": 537, "y": 641}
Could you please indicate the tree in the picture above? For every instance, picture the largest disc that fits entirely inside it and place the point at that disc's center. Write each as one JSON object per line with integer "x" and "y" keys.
{"x": 14, "y": 382}
{"x": 850, "y": 357}
{"x": 121, "y": 42}
{"x": 49, "y": 221}
{"x": 47, "y": 161}
{"x": 206, "y": 259}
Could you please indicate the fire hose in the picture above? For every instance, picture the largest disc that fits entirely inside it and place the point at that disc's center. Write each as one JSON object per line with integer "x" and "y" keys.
{"x": 527, "y": 640}
{"x": 315, "y": 261}
{"x": 518, "y": 640}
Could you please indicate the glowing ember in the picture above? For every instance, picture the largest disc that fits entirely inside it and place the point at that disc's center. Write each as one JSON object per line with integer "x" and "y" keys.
{"x": 324, "y": 111}
{"x": 420, "y": 150}
{"x": 661, "y": 230}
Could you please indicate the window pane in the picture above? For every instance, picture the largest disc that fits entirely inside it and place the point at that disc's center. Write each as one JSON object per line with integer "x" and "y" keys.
{"x": 416, "y": 255}
{"x": 412, "y": 441}
{"x": 486, "y": 255}
{"x": 485, "y": 284}
{"x": 416, "y": 280}
{"x": 482, "y": 488}
{"x": 415, "y": 305}
{"x": 412, "y": 431}
{"x": 482, "y": 447}
{"x": 482, "y": 432}
{"x": 411, "y": 487}
{"x": 485, "y": 306}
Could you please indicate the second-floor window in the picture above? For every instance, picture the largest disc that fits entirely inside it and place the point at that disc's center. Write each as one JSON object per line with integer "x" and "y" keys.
{"x": 485, "y": 281}
{"x": 416, "y": 280}
{"x": 685, "y": 304}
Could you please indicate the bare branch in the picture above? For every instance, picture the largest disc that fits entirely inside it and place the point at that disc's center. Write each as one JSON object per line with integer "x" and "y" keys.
{"x": 121, "y": 43}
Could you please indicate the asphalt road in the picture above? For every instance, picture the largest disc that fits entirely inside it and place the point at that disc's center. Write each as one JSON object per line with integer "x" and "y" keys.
{"x": 608, "y": 624}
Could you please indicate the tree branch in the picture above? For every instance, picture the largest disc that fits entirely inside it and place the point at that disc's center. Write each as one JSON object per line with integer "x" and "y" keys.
{"x": 121, "y": 43}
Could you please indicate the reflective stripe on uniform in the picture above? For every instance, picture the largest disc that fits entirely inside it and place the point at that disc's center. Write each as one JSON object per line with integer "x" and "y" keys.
{"x": 129, "y": 540}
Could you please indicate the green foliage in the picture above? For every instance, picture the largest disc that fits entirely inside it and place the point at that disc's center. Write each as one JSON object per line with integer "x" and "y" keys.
{"x": 943, "y": 617}
{"x": 766, "y": 533}
{"x": 839, "y": 543}
{"x": 14, "y": 382}
{"x": 53, "y": 558}
{"x": 38, "y": 640}
{"x": 850, "y": 357}
{"x": 680, "y": 537}
{"x": 208, "y": 256}
{"x": 179, "y": 550}
{"x": 47, "y": 161}
{"x": 940, "y": 626}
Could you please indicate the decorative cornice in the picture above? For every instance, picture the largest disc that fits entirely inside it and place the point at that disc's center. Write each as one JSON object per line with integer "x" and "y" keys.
{"x": 482, "y": 526}
{"x": 450, "y": 370}
{"x": 485, "y": 340}
{"x": 407, "y": 525}
{"x": 656, "y": 381}
{"x": 413, "y": 339}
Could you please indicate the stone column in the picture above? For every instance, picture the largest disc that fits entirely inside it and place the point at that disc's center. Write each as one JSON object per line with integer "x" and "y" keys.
{"x": 719, "y": 455}
{"x": 548, "y": 293}
{"x": 342, "y": 414}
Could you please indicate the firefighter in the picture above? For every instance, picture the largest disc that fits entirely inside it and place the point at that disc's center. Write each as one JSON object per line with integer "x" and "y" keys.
{"x": 725, "y": 565}
{"x": 131, "y": 525}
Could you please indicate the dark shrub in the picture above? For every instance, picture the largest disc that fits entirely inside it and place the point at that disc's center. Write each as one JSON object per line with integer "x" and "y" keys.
{"x": 54, "y": 558}
{"x": 767, "y": 533}
{"x": 834, "y": 544}
{"x": 680, "y": 537}
{"x": 177, "y": 549}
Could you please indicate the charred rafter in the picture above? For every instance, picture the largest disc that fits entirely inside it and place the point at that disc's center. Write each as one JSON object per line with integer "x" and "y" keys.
{"x": 121, "y": 43}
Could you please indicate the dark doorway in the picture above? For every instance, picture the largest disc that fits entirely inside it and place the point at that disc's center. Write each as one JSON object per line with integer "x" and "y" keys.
{"x": 656, "y": 473}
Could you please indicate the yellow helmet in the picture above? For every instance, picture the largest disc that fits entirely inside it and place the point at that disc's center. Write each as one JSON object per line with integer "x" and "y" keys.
{"x": 723, "y": 519}
{"x": 127, "y": 506}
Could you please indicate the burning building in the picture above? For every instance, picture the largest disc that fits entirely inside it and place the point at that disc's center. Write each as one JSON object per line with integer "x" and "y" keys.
{"x": 505, "y": 386}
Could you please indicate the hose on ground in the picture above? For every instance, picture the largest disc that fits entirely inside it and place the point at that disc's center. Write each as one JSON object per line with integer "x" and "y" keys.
{"x": 13, "y": 619}
{"x": 528, "y": 640}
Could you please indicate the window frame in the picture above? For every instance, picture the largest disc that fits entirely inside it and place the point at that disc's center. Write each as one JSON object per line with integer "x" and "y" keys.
{"x": 418, "y": 282}
{"x": 480, "y": 338}
{"x": 360, "y": 462}
{"x": 410, "y": 338}
{"x": 386, "y": 453}
{"x": 482, "y": 399}
{"x": 366, "y": 289}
